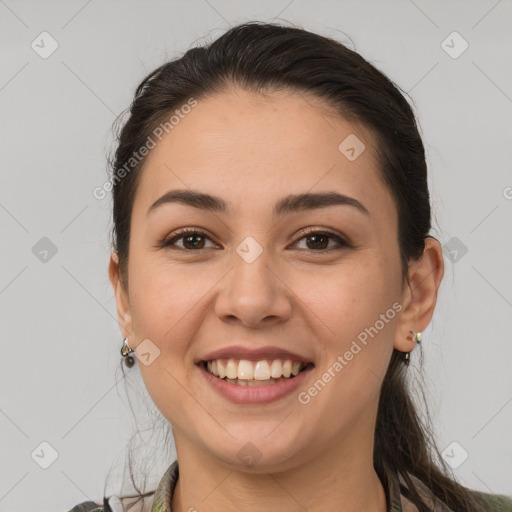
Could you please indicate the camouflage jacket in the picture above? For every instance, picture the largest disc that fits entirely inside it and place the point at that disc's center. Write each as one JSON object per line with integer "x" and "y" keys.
{"x": 397, "y": 502}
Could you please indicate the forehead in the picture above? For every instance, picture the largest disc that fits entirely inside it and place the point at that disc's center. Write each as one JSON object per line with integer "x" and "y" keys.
{"x": 253, "y": 148}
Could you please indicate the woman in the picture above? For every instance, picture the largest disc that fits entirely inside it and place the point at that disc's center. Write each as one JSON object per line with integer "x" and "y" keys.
{"x": 273, "y": 270}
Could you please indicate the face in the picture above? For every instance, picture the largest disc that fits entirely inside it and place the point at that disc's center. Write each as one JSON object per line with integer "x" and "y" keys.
{"x": 314, "y": 282}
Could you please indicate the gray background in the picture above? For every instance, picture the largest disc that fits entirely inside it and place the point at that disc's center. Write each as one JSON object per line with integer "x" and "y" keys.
{"x": 60, "y": 342}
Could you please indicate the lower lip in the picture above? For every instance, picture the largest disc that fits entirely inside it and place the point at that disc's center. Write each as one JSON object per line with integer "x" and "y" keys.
{"x": 254, "y": 394}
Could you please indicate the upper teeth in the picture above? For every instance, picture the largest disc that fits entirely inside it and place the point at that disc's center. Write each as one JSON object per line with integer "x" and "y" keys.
{"x": 244, "y": 369}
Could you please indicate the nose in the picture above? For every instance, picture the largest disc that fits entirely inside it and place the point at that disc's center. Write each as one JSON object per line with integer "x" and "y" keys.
{"x": 254, "y": 294}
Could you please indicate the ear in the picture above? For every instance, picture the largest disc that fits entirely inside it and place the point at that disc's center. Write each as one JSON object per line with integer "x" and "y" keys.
{"x": 420, "y": 295}
{"x": 124, "y": 316}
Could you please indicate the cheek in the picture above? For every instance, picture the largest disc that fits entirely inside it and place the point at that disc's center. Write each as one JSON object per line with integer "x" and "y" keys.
{"x": 337, "y": 301}
{"x": 347, "y": 297}
{"x": 344, "y": 311}
{"x": 165, "y": 304}
{"x": 355, "y": 309}
{"x": 163, "y": 293}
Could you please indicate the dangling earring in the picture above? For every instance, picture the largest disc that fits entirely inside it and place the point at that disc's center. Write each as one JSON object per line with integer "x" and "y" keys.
{"x": 125, "y": 352}
{"x": 416, "y": 336}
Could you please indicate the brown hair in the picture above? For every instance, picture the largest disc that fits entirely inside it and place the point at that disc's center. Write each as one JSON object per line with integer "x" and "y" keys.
{"x": 260, "y": 57}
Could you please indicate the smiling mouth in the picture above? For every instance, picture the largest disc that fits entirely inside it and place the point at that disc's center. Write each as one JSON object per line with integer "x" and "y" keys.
{"x": 243, "y": 372}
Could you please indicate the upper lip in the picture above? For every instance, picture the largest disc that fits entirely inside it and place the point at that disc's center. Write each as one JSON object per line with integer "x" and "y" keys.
{"x": 251, "y": 354}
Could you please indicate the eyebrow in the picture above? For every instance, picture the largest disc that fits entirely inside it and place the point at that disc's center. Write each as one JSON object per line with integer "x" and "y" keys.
{"x": 286, "y": 205}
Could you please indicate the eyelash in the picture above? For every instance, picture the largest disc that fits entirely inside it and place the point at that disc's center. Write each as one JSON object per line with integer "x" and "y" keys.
{"x": 169, "y": 242}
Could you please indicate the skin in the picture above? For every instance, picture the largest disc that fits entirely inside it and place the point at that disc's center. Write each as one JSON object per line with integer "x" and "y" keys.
{"x": 252, "y": 150}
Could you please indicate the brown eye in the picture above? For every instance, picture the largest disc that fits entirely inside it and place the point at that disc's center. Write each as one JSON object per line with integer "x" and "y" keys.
{"x": 192, "y": 239}
{"x": 318, "y": 241}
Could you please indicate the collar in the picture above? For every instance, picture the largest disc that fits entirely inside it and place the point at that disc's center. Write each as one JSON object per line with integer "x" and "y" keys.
{"x": 163, "y": 493}
{"x": 396, "y": 501}
{"x": 165, "y": 489}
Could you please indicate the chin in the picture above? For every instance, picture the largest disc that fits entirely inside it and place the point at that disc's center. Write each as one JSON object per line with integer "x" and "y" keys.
{"x": 261, "y": 452}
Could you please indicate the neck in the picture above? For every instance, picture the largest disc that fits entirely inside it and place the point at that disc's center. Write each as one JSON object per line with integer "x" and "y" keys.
{"x": 342, "y": 479}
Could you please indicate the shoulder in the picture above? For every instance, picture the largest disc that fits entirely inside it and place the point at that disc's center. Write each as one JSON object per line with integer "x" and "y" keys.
{"x": 495, "y": 502}
{"x": 488, "y": 502}
{"x": 88, "y": 506}
{"x": 111, "y": 504}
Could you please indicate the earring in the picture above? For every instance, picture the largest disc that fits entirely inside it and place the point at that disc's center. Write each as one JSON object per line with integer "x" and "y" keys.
{"x": 125, "y": 352}
{"x": 416, "y": 336}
